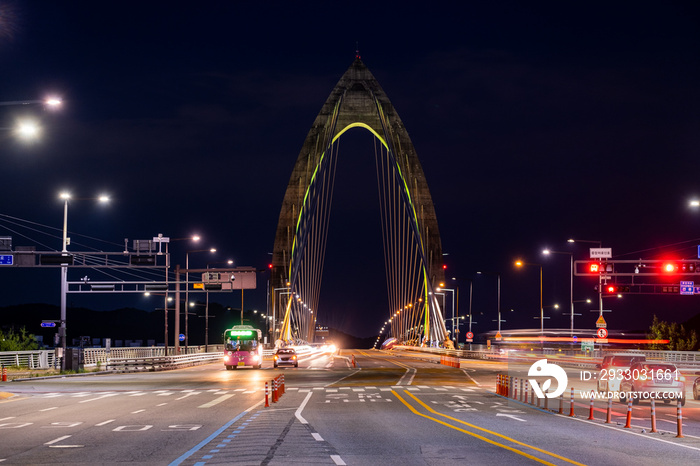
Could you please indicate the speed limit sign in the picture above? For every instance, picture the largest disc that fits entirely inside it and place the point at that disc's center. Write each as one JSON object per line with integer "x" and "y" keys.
{"x": 602, "y": 333}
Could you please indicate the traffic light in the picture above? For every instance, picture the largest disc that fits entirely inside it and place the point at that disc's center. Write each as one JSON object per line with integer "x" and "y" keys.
{"x": 669, "y": 267}
{"x": 616, "y": 289}
{"x": 594, "y": 267}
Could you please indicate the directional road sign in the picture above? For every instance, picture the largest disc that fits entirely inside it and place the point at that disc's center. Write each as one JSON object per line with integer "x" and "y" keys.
{"x": 6, "y": 259}
{"x": 687, "y": 288}
{"x": 48, "y": 324}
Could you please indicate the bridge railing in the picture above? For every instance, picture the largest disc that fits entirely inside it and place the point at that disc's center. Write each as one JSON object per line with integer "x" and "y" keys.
{"x": 686, "y": 360}
{"x": 36, "y": 359}
{"x": 92, "y": 357}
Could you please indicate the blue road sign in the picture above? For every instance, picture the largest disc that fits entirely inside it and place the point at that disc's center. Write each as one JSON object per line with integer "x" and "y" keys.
{"x": 6, "y": 259}
{"x": 182, "y": 337}
{"x": 687, "y": 287}
{"x": 48, "y": 324}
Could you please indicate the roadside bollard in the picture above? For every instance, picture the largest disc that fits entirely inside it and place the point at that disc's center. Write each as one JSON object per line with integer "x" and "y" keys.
{"x": 267, "y": 391}
{"x": 284, "y": 389}
{"x": 561, "y": 404}
{"x": 608, "y": 414}
{"x": 527, "y": 390}
{"x": 515, "y": 388}
{"x": 653, "y": 415}
{"x": 532, "y": 397}
{"x": 4, "y": 373}
{"x": 571, "y": 410}
{"x": 274, "y": 391}
{"x": 353, "y": 361}
{"x": 546, "y": 400}
{"x": 521, "y": 389}
{"x": 679, "y": 418}
{"x": 628, "y": 424}
{"x": 590, "y": 411}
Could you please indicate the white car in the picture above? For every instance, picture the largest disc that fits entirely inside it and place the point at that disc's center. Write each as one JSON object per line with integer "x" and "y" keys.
{"x": 613, "y": 368}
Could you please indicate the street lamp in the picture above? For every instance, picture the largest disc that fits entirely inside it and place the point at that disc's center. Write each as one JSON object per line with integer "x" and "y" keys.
{"x": 187, "y": 292}
{"x": 451, "y": 290}
{"x": 520, "y": 263}
{"x": 64, "y": 271}
{"x": 498, "y": 301}
{"x": 547, "y": 252}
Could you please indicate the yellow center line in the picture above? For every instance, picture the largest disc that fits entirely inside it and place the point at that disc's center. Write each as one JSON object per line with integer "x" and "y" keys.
{"x": 480, "y": 437}
{"x": 494, "y": 433}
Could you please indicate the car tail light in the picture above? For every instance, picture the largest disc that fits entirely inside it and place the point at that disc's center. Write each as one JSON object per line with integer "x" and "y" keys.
{"x": 294, "y": 357}
{"x": 276, "y": 357}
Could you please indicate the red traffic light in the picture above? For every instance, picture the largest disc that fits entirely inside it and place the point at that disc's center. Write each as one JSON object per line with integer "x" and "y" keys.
{"x": 669, "y": 267}
{"x": 594, "y": 267}
{"x": 617, "y": 289}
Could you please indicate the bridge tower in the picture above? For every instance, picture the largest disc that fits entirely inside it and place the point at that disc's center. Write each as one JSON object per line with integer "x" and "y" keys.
{"x": 409, "y": 221}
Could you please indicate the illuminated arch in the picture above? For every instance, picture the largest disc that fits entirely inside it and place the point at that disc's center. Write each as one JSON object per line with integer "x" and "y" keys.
{"x": 356, "y": 101}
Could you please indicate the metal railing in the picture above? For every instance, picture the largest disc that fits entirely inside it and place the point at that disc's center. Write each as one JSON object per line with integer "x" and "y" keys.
{"x": 37, "y": 359}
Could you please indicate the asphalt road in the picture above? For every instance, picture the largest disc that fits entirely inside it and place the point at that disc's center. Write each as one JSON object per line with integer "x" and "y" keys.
{"x": 389, "y": 409}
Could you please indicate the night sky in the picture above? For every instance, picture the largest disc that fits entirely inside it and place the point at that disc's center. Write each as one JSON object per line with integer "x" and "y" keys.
{"x": 533, "y": 124}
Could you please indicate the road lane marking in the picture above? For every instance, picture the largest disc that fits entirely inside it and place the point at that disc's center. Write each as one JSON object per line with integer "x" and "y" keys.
{"x": 297, "y": 413}
{"x": 215, "y": 434}
{"x": 317, "y": 436}
{"x": 470, "y": 377}
{"x": 45, "y": 409}
{"x": 188, "y": 394}
{"x": 338, "y": 460}
{"x": 505, "y": 437}
{"x": 57, "y": 440}
{"x": 106, "y": 395}
{"x": 104, "y": 423}
{"x": 138, "y": 411}
{"x": 216, "y": 401}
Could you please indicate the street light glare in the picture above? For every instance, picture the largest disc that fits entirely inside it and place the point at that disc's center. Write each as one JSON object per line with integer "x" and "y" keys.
{"x": 27, "y": 129}
{"x": 212, "y": 250}
{"x": 53, "y": 102}
{"x": 196, "y": 238}
{"x": 546, "y": 252}
{"x": 64, "y": 195}
{"x": 103, "y": 198}
{"x": 694, "y": 203}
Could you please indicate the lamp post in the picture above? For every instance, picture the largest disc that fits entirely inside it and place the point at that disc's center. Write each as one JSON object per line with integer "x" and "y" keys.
{"x": 520, "y": 263}
{"x": 498, "y": 300}
{"x": 187, "y": 301}
{"x": 64, "y": 271}
{"x": 451, "y": 290}
{"x": 547, "y": 252}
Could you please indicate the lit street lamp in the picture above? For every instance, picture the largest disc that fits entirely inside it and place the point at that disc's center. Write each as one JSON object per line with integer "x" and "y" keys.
{"x": 547, "y": 252}
{"x": 64, "y": 271}
{"x": 520, "y": 263}
{"x": 187, "y": 291}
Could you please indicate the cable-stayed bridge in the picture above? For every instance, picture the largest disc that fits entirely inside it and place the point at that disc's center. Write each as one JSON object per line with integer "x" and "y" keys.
{"x": 411, "y": 238}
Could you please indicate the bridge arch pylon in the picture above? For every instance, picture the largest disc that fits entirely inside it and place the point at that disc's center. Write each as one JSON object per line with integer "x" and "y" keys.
{"x": 412, "y": 245}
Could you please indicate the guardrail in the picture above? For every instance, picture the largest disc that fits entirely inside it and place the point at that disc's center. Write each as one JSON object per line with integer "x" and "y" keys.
{"x": 155, "y": 363}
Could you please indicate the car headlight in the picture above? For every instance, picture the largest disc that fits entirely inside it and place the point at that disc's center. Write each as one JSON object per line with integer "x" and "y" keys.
{"x": 226, "y": 357}
{"x": 256, "y": 357}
